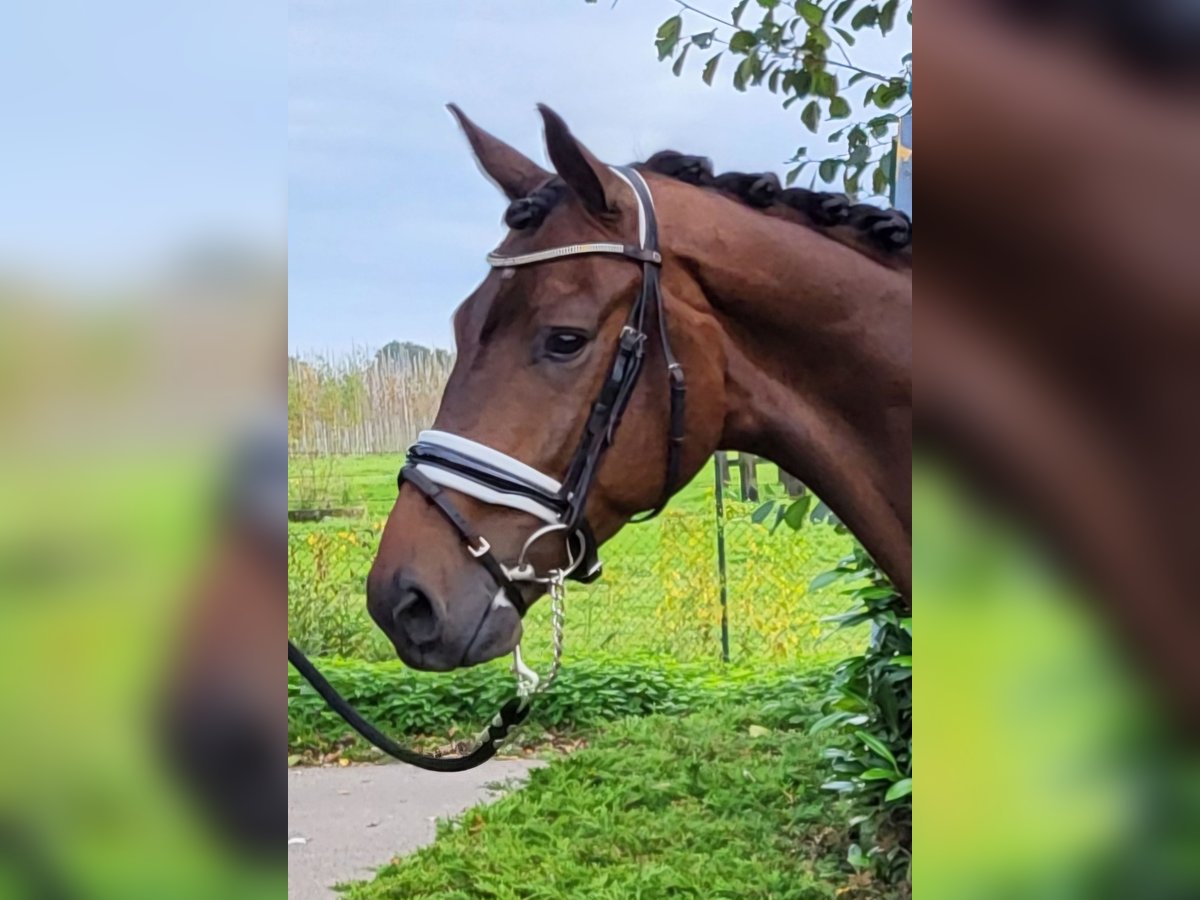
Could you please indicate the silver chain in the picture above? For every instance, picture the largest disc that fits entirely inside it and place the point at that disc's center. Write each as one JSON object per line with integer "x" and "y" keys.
{"x": 558, "y": 600}
{"x": 529, "y": 683}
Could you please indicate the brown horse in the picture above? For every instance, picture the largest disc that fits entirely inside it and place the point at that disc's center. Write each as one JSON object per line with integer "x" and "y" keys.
{"x": 796, "y": 346}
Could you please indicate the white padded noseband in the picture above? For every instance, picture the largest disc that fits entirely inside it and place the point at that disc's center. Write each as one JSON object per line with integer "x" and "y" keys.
{"x": 497, "y": 460}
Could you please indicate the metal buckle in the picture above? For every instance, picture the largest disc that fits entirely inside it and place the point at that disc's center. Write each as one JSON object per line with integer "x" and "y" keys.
{"x": 483, "y": 548}
{"x": 631, "y": 340}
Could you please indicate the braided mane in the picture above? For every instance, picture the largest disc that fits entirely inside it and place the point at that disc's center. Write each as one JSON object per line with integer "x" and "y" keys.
{"x": 884, "y": 235}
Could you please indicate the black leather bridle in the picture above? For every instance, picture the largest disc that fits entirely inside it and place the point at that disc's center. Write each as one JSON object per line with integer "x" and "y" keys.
{"x": 439, "y": 461}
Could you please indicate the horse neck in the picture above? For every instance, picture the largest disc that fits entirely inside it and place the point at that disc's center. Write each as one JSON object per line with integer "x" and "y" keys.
{"x": 818, "y": 365}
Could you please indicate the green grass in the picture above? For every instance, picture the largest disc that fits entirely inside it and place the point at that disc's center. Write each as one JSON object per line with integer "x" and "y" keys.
{"x": 659, "y": 593}
{"x": 661, "y": 807}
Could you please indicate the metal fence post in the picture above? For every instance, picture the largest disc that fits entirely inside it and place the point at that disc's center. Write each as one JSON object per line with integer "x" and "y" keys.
{"x": 748, "y": 467}
{"x": 721, "y": 468}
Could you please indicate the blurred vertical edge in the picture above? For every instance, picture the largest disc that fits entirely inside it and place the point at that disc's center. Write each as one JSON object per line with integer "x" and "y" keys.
{"x": 1056, "y": 475}
{"x": 142, "y": 448}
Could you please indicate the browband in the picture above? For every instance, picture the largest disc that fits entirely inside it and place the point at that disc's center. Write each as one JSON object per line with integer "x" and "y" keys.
{"x": 496, "y": 260}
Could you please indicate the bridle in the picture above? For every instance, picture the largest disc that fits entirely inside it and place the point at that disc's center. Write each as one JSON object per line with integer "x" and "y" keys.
{"x": 441, "y": 461}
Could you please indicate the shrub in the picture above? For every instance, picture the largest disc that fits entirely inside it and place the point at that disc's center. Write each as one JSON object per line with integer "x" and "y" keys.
{"x": 870, "y": 703}
{"x": 589, "y": 691}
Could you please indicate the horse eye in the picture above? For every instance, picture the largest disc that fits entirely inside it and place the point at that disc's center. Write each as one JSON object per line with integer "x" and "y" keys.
{"x": 563, "y": 345}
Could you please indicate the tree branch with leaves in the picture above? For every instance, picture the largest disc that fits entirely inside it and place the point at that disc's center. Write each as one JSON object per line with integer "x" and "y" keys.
{"x": 788, "y": 49}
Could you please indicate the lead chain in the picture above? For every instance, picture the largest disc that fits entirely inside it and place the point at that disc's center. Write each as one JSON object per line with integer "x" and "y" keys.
{"x": 529, "y": 683}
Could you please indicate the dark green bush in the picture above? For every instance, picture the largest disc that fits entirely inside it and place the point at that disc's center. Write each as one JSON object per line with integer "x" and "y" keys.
{"x": 869, "y": 702}
{"x": 589, "y": 691}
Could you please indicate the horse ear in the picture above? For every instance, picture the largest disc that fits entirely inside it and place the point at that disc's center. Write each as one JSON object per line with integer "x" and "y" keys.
{"x": 509, "y": 169}
{"x": 591, "y": 180}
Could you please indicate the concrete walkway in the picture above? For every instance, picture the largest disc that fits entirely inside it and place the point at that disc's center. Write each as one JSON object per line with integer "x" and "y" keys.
{"x": 344, "y": 823}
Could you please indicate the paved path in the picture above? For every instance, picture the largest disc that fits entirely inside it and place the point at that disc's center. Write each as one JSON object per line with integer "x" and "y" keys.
{"x": 343, "y": 823}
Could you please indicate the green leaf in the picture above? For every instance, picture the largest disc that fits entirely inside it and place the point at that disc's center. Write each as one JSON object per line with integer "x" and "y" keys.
{"x": 819, "y": 37}
{"x": 710, "y": 69}
{"x": 845, "y": 35}
{"x": 880, "y": 180}
{"x": 795, "y": 173}
{"x": 878, "y": 775}
{"x": 887, "y": 16}
{"x": 668, "y": 36}
{"x": 878, "y": 747}
{"x": 839, "y": 108}
{"x": 823, "y": 513}
{"x": 865, "y": 17}
{"x": 887, "y": 94}
{"x": 678, "y": 67}
{"x": 888, "y": 162}
{"x": 850, "y": 181}
{"x": 848, "y": 620}
{"x": 810, "y": 12}
{"x": 902, "y": 788}
{"x": 743, "y": 42}
{"x": 875, "y": 592}
{"x": 797, "y": 511}
{"x": 839, "y": 786}
{"x": 760, "y": 515}
{"x": 811, "y": 116}
{"x": 773, "y": 81}
{"x": 799, "y": 82}
{"x": 825, "y": 84}
{"x": 857, "y": 77}
{"x": 738, "y": 10}
{"x": 743, "y": 73}
{"x": 834, "y": 718}
{"x": 704, "y": 39}
{"x": 823, "y": 580}
{"x": 841, "y": 9}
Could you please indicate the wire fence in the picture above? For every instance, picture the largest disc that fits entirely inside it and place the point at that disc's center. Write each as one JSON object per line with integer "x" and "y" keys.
{"x": 712, "y": 578}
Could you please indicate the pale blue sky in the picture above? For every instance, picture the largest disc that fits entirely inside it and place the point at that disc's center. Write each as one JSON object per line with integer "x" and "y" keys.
{"x": 133, "y": 128}
{"x": 388, "y": 219}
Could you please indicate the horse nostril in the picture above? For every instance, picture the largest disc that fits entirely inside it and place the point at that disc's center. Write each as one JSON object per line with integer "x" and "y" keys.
{"x": 414, "y": 614}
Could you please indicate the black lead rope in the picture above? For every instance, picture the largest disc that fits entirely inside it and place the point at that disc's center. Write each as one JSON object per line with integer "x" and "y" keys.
{"x": 512, "y": 714}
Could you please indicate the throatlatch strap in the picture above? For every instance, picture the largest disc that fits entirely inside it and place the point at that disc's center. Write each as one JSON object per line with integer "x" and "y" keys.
{"x": 512, "y": 714}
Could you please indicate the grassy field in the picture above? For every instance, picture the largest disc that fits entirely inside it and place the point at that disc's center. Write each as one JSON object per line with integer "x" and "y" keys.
{"x": 660, "y": 593}
{"x": 724, "y": 803}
